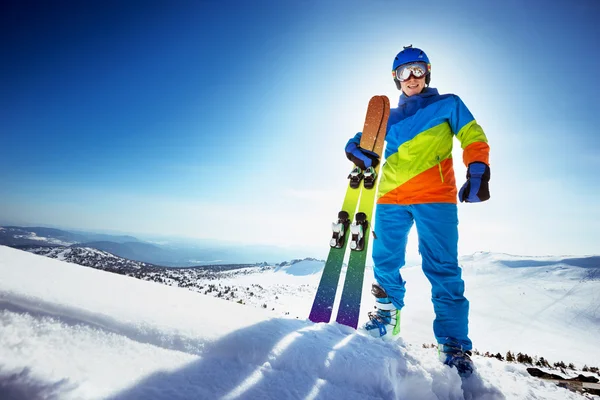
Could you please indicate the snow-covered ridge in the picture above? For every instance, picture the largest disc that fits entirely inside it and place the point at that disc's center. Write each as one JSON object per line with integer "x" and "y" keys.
{"x": 308, "y": 266}
{"x": 536, "y": 292}
{"x": 257, "y": 285}
{"x": 21, "y": 235}
{"x": 79, "y": 333}
{"x": 89, "y": 257}
{"x": 590, "y": 262}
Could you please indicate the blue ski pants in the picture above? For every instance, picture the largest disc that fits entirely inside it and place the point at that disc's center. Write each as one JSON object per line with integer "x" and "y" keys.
{"x": 437, "y": 229}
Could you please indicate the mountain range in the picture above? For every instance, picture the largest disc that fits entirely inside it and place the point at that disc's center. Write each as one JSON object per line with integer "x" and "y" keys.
{"x": 165, "y": 251}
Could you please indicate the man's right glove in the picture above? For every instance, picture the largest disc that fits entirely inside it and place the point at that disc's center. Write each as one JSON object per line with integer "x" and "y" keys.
{"x": 476, "y": 188}
{"x": 361, "y": 157}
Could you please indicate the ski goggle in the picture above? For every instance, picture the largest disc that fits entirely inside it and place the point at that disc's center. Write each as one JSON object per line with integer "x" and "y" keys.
{"x": 416, "y": 69}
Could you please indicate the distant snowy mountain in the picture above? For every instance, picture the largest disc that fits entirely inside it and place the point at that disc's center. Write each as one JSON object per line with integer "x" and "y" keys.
{"x": 304, "y": 267}
{"x": 127, "y": 247}
{"x": 18, "y": 235}
{"x": 139, "y": 251}
{"x": 167, "y": 251}
{"x": 96, "y": 335}
{"x": 89, "y": 257}
{"x": 584, "y": 268}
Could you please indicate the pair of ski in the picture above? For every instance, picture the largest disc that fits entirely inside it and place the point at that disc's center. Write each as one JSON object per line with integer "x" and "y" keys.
{"x": 356, "y": 232}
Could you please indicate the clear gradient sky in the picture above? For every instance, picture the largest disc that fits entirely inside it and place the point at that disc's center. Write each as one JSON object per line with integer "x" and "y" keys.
{"x": 227, "y": 119}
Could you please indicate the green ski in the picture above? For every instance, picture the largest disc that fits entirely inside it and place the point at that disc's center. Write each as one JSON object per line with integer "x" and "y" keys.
{"x": 349, "y": 309}
{"x": 322, "y": 307}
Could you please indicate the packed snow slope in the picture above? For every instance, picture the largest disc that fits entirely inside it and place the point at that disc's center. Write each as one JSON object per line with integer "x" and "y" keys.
{"x": 541, "y": 306}
{"x": 70, "y": 332}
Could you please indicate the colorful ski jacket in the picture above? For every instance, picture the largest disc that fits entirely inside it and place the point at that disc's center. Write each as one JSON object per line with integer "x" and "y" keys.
{"x": 418, "y": 157}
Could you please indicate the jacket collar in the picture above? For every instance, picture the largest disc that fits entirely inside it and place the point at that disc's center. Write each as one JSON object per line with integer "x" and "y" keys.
{"x": 427, "y": 92}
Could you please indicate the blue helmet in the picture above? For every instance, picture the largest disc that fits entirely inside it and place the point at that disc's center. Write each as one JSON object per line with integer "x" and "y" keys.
{"x": 411, "y": 54}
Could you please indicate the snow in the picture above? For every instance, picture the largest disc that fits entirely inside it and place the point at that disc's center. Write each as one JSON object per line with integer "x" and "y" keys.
{"x": 302, "y": 268}
{"x": 89, "y": 257}
{"x": 521, "y": 304}
{"x": 34, "y": 236}
{"x": 535, "y": 305}
{"x": 70, "y": 332}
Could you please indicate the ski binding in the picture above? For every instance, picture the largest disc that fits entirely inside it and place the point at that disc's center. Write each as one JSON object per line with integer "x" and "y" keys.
{"x": 369, "y": 178}
{"x": 339, "y": 229}
{"x": 355, "y": 177}
{"x": 358, "y": 229}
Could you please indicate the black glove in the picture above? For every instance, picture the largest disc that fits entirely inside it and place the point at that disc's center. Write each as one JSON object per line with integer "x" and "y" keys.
{"x": 361, "y": 157}
{"x": 476, "y": 188}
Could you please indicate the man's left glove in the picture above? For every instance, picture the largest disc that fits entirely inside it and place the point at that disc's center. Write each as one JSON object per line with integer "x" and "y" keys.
{"x": 361, "y": 157}
{"x": 476, "y": 188}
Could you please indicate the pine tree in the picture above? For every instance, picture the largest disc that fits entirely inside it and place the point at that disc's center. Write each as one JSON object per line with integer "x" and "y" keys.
{"x": 528, "y": 359}
{"x": 561, "y": 365}
{"x": 510, "y": 357}
{"x": 541, "y": 362}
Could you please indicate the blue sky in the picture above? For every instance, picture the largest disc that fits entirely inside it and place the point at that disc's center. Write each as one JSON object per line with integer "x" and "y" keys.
{"x": 227, "y": 119}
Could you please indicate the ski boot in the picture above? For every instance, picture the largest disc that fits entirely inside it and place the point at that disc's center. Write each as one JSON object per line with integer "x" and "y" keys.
{"x": 385, "y": 322}
{"x": 453, "y": 355}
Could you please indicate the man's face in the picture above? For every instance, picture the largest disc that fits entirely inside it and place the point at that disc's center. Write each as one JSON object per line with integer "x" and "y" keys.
{"x": 413, "y": 85}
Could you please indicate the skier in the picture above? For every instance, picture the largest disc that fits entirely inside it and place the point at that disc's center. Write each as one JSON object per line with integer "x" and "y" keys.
{"x": 418, "y": 185}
